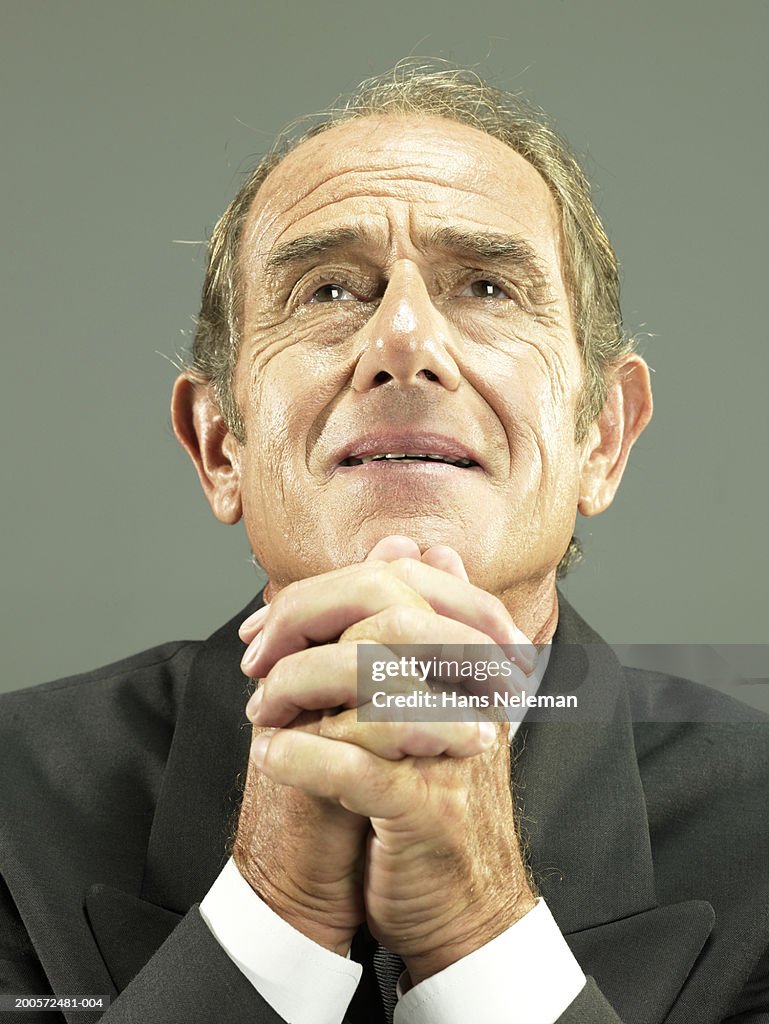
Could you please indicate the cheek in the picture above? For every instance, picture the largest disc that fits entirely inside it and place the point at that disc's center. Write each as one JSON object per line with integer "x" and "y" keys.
{"x": 268, "y": 402}
{"x": 286, "y": 390}
{"x": 527, "y": 384}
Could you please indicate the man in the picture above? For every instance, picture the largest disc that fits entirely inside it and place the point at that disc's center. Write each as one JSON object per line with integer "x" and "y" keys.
{"x": 408, "y": 377}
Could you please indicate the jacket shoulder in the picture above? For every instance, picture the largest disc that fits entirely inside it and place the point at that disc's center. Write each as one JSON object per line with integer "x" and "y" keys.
{"x": 694, "y": 737}
{"x": 659, "y": 697}
{"x": 703, "y": 759}
{"x": 169, "y": 660}
{"x": 98, "y": 727}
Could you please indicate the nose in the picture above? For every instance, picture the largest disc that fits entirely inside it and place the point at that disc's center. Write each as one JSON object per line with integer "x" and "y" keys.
{"x": 405, "y": 341}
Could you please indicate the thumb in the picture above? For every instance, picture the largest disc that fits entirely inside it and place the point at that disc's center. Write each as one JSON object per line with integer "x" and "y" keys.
{"x": 441, "y": 556}
{"x": 388, "y": 549}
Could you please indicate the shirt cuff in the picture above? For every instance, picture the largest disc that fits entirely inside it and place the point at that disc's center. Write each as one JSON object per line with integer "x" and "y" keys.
{"x": 527, "y": 974}
{"x": 303, "y": 982}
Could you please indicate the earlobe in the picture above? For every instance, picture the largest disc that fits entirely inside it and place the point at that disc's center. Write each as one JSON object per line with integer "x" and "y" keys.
{"x": 215, "y": 453}
{"x": 626, "y": 412}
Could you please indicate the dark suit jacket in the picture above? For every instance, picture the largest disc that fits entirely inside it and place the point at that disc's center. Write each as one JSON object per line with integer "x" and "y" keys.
{"x": 119, "y": 789}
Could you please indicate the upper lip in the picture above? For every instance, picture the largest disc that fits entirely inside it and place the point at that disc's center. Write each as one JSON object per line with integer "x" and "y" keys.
{"x": 407, "y": 442}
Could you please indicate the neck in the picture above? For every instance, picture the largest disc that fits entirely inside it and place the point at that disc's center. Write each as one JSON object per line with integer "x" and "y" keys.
{"x": 533, "y": 607}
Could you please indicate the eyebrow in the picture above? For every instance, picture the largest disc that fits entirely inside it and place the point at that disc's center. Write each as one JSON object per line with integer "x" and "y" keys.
{"x": 490, "y": 246}
{"x": 476, "y": 246}
{"x": 309, "y": 247}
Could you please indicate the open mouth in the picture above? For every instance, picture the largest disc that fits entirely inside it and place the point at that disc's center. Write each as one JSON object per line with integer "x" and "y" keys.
{"x": 408, "y": 457}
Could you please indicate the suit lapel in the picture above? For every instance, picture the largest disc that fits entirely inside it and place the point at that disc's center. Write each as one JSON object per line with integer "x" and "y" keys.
{"x": 583, "y": 815}
{"x": 200, "y": 796}
{"x": 581, "y": 806}
{"x": 641, "y": 963}
{"x": 195, "y": 814}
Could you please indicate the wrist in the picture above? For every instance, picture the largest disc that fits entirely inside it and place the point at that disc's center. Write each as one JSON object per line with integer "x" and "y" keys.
{"x": 458, "y": 942}
{"x": 317, "y": 919}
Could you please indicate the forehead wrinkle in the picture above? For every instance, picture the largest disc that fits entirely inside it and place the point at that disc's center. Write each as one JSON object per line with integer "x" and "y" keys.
{"x": 478, "y": 244}
{"x": 416, "y": 206}
{"x": 268, "y": 195}
{"x": 391, "y": 173}
{"x": 432, "y": 142}
{"x": 356, "y": 235}
{"x": 300, "y": 196}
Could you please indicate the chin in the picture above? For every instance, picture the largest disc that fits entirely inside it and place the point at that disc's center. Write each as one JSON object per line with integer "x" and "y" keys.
{"x": 424, "y": 531}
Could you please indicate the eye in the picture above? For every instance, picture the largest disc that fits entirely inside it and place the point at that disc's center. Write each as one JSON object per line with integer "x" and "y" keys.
{"x": 484, "y": 288}
{"x": 331, "y": 293}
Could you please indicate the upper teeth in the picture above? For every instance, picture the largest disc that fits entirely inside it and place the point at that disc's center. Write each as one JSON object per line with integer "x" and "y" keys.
{"x": 411, "y": 456}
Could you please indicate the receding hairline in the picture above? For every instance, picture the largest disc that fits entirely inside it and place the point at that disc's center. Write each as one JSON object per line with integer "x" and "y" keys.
{"x": 267, "y": 188}
{"x": 426, "y": 87}
{"x": 323, "y": 138}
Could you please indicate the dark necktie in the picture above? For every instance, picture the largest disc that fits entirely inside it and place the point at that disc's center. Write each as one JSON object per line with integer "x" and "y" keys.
{"x": 388, "y": 968}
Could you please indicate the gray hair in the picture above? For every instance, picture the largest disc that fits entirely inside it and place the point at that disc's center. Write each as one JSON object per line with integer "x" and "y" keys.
{"x": 457, "y": 94}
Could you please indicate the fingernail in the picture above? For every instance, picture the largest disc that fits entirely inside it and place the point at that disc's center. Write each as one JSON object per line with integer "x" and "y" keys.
{"x": 253, "y": 620}
{"x": 260, "y": 745}
{"x": 253, "y": 705}
{"x": 487, "y": 733}
{"x": 251, "y": 656}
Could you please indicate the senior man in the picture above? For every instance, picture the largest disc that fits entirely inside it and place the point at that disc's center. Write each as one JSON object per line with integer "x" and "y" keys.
{"x": 409, "y": 375}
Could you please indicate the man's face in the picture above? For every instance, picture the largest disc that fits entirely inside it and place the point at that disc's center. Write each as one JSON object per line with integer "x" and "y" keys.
{"x": 404, "y": 294}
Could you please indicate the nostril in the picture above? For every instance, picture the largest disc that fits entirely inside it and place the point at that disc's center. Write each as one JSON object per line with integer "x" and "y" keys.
{"x": 382, "y": 377}
{"x": 430, "y": 375}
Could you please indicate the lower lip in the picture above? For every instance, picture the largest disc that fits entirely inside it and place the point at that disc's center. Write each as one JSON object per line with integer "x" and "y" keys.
{"x": 385, "y": 466}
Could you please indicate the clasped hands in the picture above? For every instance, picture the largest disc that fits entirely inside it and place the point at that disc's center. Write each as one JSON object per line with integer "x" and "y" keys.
{"x": 406, "y": 825}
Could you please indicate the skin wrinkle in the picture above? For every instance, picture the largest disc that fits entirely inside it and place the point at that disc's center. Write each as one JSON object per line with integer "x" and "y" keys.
{"x": 519, "y": 369}
{"x": 378, "y": 110}
{"x": 489, "y": 246}
{"x": 332, "y": 275}
{"x": 260, "y": 358}
{"x": 378, "y": 279}
{"x": 289, "y": 258}
{"x": 516, "y": 431}
{"x": 553, "y": 376}
{"x": 298, "y": 197}
{"x": 370, "y": 193}
{"x": 394, "y": 174}
{"x": 365, "y": 230}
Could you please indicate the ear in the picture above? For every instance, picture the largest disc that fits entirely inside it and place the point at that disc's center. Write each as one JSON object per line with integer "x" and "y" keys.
{"x": 202, "y": 432}
{"x": 627, "y": 410}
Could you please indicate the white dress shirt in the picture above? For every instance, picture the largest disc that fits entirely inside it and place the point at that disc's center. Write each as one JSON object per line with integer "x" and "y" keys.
{"x": 527, "y": 974}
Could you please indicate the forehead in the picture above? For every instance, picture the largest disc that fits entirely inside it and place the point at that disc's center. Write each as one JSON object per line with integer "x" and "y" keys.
{"x": 402, "y": 172}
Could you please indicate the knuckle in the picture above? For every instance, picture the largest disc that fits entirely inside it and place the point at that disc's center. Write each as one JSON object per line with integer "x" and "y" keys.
{"x": 406, "y": 568}
{"x": 287, "y": 604}
{"x": 494, "y": 612}
{"x": 378, "y": 575}
{"x": 409, "y": 575}
{"x": 332, "y": 727}
{"x": 394, "y": 576}
{"x": 395, "y": 621}
{"x": 284, "y": 753}
{"x": 278, "y": 680}
{"x": 421, "y": 740}
{"x": 278, "y": 605}
{"x": 346, "y": 772}
{"x": 377, "y": 776}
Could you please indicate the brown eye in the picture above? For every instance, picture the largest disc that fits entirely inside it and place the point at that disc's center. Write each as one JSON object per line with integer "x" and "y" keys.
{"x": 485, "y": 289}
{"x": 331, "y": 293}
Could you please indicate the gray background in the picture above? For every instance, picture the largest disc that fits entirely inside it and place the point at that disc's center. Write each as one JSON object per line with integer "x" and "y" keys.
{"x": 126, "y": 126}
